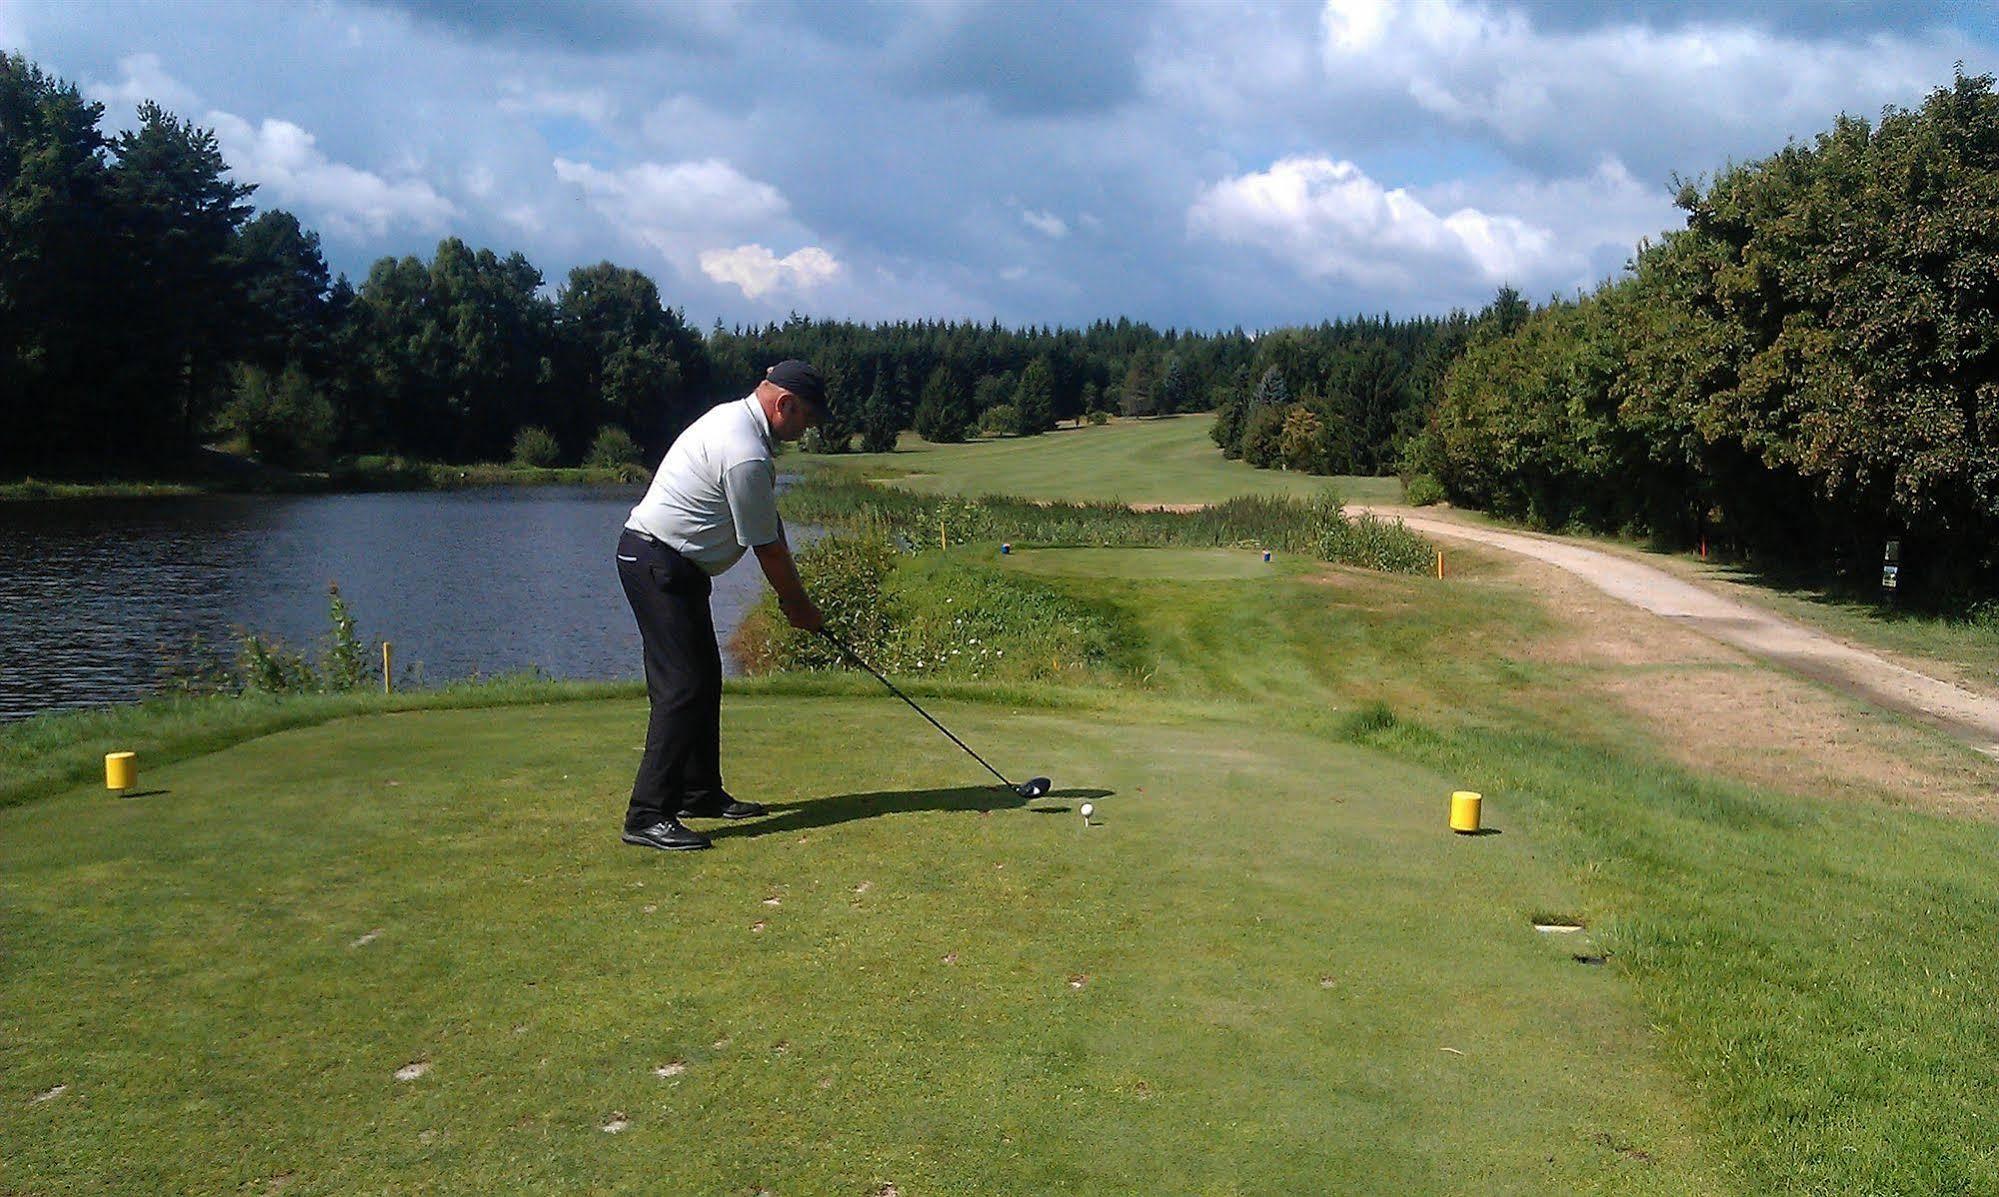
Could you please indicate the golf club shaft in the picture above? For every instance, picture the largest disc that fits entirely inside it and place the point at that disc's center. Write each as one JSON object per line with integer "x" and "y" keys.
{"x": 855, "y": 657}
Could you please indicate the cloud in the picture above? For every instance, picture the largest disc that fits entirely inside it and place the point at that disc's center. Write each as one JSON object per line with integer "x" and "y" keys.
{"x": 1045, "y": 222}
{"x": 681, "y": 209}
{"x": 13, "y": 30}
{"x": 1327, "y": 220}
{"x": 592, "y": 104}
{"x": 756, "y": 271}
{"x": 286, "y": 163}
{"x": 1696, "y": 92}
{"x": 1024, "y": 58}
{"x": 585, "y": 26}
{"x": 142, "y": 77}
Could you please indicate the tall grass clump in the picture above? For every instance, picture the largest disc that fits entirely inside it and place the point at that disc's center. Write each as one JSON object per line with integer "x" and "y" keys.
{"x": 264, "y": 664}
{"x": 1316, "y": 527}
{"x": 933, "y": 614}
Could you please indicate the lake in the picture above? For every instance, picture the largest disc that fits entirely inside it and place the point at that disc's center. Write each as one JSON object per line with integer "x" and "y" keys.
{"x": 96, "y": 595}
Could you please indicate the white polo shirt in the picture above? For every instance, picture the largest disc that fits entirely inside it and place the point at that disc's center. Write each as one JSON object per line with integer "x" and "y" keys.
{"x": 715, "y": 492}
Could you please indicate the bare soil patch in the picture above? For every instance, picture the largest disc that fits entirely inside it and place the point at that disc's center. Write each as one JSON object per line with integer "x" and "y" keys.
{"x": 1713, "y": 706}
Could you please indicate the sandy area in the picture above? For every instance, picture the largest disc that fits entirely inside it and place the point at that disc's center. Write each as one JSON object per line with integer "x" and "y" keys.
{"x": 1966, "y": 714}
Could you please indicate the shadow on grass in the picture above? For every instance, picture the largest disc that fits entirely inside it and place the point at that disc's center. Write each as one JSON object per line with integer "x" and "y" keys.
{"x": 845, "y": 808}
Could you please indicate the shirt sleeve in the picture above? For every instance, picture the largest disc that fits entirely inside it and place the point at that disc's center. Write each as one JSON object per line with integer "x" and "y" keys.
{"x": 752, "y": 490}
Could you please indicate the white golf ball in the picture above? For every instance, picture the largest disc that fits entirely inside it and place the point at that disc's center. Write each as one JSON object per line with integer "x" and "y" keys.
{"x": 1088, "y": 810}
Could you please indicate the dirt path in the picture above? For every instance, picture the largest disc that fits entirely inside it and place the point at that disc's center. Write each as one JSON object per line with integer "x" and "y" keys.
{"x": 1971, "y": 716}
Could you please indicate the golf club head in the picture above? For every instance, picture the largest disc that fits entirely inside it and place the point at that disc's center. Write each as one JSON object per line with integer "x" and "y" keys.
{"x": 1032, "y": 788}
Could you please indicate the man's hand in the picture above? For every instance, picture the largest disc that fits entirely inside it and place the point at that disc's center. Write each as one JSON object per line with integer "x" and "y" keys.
{"x": 803, "y": 614}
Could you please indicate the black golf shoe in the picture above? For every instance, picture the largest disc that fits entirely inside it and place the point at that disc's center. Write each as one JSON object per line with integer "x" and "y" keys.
{"x": 666, "y": 834}
{"x": 720, "y": 806}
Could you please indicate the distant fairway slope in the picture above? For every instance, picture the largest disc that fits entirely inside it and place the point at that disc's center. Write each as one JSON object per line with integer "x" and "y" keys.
{"x": 1165, "y": 460}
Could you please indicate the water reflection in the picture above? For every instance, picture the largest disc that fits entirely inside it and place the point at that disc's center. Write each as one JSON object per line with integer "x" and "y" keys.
{"x": 94, "y": 593}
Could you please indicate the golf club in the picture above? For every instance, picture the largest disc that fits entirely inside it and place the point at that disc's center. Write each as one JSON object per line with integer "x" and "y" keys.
{"x": 1032, "y": 788}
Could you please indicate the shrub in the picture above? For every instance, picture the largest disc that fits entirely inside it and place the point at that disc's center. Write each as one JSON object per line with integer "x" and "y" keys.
{"x": 1000, "y": 420}
{"x": 533, "y": 446}
{"x": 1263, "y": 435}
{"x": 1423, "y": 491}
{"x": 613, "y": 447}
{"x": 1100, "y": 418}
{"x": 285, "y": 421}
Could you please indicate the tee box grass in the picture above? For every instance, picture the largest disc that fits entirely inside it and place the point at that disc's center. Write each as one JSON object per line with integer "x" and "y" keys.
{"x": 1265, "y": 969}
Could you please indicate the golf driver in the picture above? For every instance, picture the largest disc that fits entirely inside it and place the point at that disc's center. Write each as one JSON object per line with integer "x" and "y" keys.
{"x": 1032, "y": 788}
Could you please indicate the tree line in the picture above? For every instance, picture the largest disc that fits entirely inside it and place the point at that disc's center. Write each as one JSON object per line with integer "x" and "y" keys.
{"x": 148, "y": 309}
{"x": 1805, "y": 372}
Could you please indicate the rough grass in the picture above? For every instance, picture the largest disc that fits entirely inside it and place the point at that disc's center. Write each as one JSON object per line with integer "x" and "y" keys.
{"x": 1166, "y": 460}
{"x": 1319, "y": 527}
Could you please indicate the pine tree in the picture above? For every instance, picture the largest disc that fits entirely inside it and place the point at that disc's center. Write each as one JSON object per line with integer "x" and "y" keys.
{"x": 1034, "y": 398}
{"x": 944, "y": 414}
{"x": 1176, "y": 388}
{"x": 1230, "y": 414}
{"x": 1271, "y": 391}
{"x": 878, "y": 422}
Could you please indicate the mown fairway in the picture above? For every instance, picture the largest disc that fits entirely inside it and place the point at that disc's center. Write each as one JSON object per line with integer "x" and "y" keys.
{"x": 1167, "y": 460}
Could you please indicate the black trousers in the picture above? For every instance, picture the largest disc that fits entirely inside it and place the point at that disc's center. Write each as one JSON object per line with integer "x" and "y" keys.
{"x": 683, "y": 753}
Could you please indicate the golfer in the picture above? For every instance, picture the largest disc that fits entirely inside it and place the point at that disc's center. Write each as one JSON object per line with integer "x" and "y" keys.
{"x": 714, "y": 495}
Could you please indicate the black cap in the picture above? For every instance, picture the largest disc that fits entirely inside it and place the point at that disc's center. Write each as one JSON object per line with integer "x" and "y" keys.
{"x": 801, "y": 379}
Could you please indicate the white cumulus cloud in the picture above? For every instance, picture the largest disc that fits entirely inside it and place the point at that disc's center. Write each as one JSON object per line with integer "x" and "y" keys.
{"x": 757, "y": 272}
{"x": 1326, "y": 219}
{"x": 681, "y": 208}
{"x": 1591, "y": 90}
{"x": 141, "y": 77}
{"x": 593, "y": 105}
{"x": 1046, "y": 223}
{"x": 287, "y": 165}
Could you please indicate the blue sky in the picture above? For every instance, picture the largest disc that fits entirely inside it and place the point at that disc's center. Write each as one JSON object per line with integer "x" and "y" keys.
{"x": 1193, "y": 164}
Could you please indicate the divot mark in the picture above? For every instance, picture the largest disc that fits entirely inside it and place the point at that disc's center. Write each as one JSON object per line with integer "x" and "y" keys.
{"x": 617, "y": 1124}
{"x": 1327, "y": 981}
{"x": 757, "y": 927}
{"x": 412, "y": 1070}
{"x": 1079, "y": 980}
{"x": 1583, "y": 958}
{"x": 826, "y": 1082}
{"x": 864, "y": 887}
{"x": 48, "y": 1095}
{"x": 951, "y": 958}
{"x": 722, "y": 1043}
{"x": 780, "y": 1047}
{"x": 367, "y": 939}
{"x": 1625, "y": 1149}
{"x": 674, "y": 1069}
{"x": 649, "y": 908}
{"x": 888, "y": 1191}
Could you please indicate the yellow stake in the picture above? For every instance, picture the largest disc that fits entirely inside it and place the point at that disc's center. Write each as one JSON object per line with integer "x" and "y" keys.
{"x": 121, "y": 771}
{"x": 942, "y": 542}
{"x": 388, "y": 670}
{"x": 1465, "y": 811}
{"x": 1440, "y": 564}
